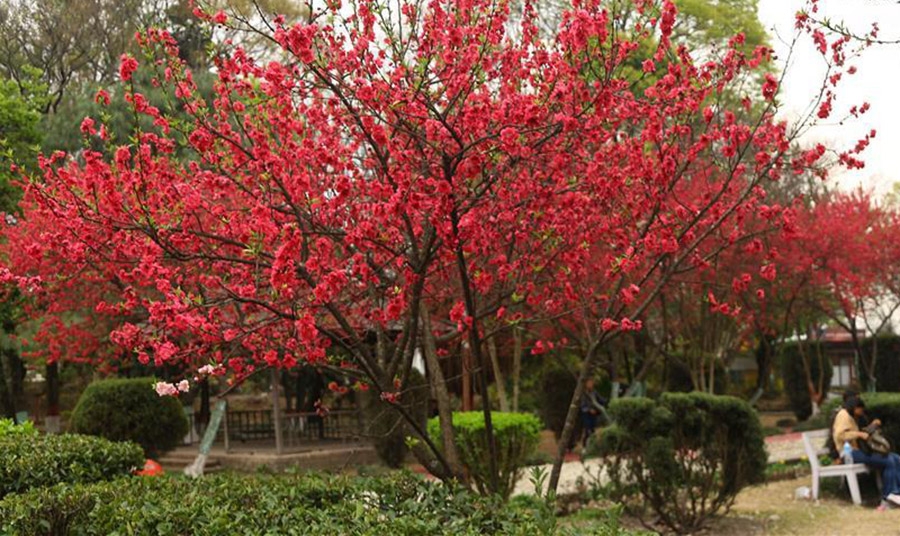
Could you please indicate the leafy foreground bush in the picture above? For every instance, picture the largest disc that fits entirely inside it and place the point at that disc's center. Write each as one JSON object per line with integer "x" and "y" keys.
{"x": 683, "y": 457}
{"x": 10, "y": 428}
{"x": 36, "y": 460}
{"x": 130, "y": 410}
{"x": 401, "y": 504}
{"x": 516, "y": 435}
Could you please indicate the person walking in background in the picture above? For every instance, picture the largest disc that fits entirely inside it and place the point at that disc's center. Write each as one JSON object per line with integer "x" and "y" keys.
{"x": 592, "y": 405}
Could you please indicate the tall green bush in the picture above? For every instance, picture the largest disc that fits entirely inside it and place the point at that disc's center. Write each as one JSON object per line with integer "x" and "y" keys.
{"x": 683, "y": 457}
{"x": 555, "y": 395}
{"x": 516, "y": 436}
{"x": 30, "y": 460}
{"x": 795, "y": 384}
{"x": 887, "y": 365}
{"x": 386, "y": 426}
{"x": 678, "y": 377}
{"x": 130, "y": 410}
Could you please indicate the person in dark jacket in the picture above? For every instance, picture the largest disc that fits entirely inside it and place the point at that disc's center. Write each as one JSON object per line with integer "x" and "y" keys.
{"x": 591, "y": 407}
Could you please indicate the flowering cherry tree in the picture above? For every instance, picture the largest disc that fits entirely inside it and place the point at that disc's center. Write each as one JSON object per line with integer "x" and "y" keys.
{"x": 399, "y": 161}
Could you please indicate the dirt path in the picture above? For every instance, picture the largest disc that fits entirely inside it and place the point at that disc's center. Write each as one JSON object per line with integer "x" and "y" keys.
{"x": 772, "y": 510}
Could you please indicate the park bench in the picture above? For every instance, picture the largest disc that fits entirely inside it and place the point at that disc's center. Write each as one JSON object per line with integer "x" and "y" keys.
{"x": 814, "y": 445}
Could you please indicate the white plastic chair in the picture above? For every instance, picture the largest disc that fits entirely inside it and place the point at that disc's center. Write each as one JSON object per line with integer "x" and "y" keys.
{"x": 849, "y": 471}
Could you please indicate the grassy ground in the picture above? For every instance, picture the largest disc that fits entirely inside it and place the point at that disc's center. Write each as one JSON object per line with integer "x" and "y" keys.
{"x": 772, "y": 510}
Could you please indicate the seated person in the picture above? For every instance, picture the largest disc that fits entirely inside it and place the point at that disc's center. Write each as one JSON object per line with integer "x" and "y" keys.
{"x": 846, "y": 429}
{"x": 863, "y": 422}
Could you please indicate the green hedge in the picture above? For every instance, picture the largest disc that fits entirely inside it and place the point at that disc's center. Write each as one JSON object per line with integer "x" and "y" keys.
{"x": 682, "y": 457}
{"x": 400, "y": 504}
{"x": 130, "y": 410}
{"x": 36, "y": 460}
{"x": 516, "y": 436}
{"x": 792, "y": 371}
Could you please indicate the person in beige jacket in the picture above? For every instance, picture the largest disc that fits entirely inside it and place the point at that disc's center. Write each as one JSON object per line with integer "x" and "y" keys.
{"x": 845, "y": 430}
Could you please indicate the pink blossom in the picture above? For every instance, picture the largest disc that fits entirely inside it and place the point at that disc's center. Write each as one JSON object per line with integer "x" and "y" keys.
{"x": 127, "y": 67}
{"x": 165, "y": 389}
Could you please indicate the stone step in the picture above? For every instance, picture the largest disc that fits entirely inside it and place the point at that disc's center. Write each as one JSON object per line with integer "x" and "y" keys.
{"x": 173, "y": 464}
{"x": 179, "y": 456}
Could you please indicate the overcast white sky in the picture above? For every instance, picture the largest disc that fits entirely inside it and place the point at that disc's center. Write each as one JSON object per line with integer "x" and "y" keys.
{"x": 877, "y": 81}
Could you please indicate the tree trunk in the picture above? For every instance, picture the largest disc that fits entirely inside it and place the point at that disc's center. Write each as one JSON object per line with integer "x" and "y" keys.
{"x": 860, "y": 363}
{"x": 441, "y": 396}
{"x": 286, "y": 389}
{"x": 517, "y": 367}
{"x": 204, "y": 413}
{"x": 274, "y": 388}
{"x": 51, "y": 421}
{"x": 814, "y": 394}
{"x": 16, "y": 373}
{"x": 571, "y": 417}
{"x": 475, "y": 344}
{"x": 466, "y": 358}
{"x": 498, "y": 375}
{"x": 6, "y": 400}
{"x": 873, "y": 363}
{"x": 763, "y": 362}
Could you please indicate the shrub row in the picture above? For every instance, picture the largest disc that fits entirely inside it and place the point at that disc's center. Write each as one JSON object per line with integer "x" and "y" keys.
{"x": 401, "y": 504}
{"x": 31, "y": 460}
{"x": 516, "y": 437}
{"x": 129, "y": 409}
{"x": 683, "y": 457}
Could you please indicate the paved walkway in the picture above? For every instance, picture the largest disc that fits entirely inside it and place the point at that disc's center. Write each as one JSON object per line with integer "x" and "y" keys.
{"x": 574, "y": 477}
{"x": 781, "y": 448}
{"x": 785, "y": 447}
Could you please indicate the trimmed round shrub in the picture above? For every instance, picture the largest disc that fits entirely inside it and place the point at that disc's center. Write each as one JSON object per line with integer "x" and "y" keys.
{"x": 795, "y": 377}
{"x": 400, "y": 505}
{"x": 516, "y": 436}
{"x": 683, "y": 457}
{"x": 130, "y": 410}
{"x": 36, "y": 460}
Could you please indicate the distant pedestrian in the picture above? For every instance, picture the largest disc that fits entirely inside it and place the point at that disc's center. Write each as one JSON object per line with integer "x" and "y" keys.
{"x": 592, "y": 405}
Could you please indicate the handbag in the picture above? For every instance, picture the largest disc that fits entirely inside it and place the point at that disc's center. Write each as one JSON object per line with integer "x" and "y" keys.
{"x": 877, "y": 443}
